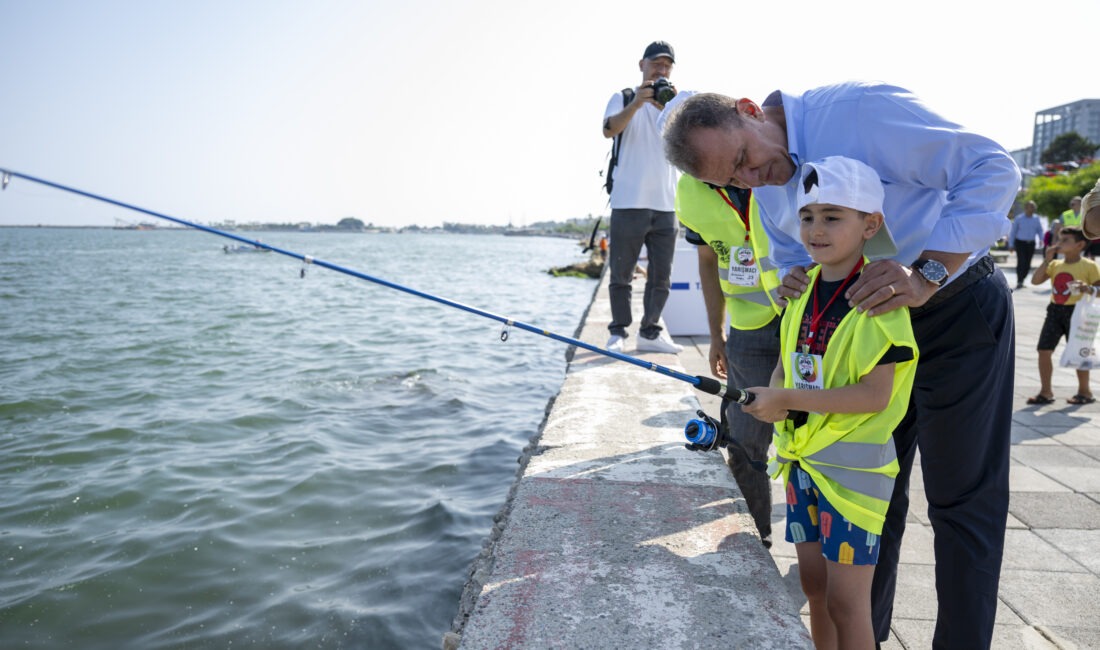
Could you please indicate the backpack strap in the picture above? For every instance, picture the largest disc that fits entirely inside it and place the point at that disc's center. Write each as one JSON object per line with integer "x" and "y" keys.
{"x": 616, "y": 145}
{"x": 628, "y": 96}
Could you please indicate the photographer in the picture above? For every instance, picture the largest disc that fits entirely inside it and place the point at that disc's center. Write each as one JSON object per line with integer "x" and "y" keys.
{"x": 642, "y": 209}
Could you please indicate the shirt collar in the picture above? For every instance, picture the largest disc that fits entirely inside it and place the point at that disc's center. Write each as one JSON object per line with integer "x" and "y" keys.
{"x": 792, "y": 112}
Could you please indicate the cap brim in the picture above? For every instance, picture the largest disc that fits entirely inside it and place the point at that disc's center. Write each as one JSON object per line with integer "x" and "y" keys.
{"x": 881, "y": 246}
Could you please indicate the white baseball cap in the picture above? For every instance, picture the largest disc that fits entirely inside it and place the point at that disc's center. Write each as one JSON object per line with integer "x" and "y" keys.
{"x": 849, "y": 183}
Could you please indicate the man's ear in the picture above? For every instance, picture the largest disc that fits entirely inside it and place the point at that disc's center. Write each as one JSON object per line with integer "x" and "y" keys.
{"x": 749, "y": 108}
{"x": 872, "y": 223}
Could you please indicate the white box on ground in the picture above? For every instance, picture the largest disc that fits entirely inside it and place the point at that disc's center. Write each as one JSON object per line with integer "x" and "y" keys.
{"x": 685, "y": 313}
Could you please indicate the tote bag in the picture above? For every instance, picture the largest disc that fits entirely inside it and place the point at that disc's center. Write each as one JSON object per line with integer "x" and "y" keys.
{"x": 1080, "y": 352}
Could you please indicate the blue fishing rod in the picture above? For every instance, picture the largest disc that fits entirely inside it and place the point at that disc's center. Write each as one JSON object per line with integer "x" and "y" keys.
{"x": 703, "y": 434}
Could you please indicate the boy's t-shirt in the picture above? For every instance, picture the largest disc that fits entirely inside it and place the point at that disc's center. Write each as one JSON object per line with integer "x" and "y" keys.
{"x": 835, "y": 312}
{"x": 1061, "y": 273}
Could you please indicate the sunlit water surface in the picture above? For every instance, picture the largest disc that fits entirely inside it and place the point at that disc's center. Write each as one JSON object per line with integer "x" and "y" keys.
{"x": 207, "y": 450}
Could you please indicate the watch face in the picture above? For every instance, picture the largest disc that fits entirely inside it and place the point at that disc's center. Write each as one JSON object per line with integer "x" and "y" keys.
{"x": 933, "y": 271}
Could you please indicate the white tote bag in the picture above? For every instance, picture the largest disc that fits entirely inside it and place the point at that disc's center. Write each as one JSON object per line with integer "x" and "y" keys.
{"x": 1080, "y": 352}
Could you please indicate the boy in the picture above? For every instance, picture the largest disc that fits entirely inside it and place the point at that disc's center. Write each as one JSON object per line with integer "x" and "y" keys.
{"x": 853, "y": 375}
{"x": 1069, "y": 279}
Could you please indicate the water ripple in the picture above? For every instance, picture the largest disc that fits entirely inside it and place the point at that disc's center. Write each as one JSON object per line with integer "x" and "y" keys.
{"x": 202, "y": 450}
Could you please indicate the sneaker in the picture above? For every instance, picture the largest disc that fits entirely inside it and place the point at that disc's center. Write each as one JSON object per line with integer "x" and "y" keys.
{"x": 660, "y": 344}
{"x": 615, "y": 343}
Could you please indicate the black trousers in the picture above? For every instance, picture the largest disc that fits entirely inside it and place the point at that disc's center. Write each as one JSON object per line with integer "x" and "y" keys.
{"x": 1025, "y": 250}
{"x": 960, "y": 417}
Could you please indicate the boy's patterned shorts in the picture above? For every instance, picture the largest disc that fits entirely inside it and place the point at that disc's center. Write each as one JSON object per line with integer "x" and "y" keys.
{"x": 811, "y": 518}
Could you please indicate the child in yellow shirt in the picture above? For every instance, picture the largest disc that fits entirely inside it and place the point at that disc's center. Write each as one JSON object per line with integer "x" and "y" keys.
{"x": 1070, "y": 277}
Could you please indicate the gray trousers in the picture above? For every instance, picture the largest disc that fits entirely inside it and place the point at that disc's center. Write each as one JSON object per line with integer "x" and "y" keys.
{"x": 630, "y": 229}
{"x": 752, "y": 356}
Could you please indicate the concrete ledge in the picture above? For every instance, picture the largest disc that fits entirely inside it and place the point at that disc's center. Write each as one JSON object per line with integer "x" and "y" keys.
{"x": 615, "y": 536}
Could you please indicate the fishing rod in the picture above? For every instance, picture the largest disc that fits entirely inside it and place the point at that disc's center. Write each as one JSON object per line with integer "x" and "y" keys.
{"x": 704, "y": 384}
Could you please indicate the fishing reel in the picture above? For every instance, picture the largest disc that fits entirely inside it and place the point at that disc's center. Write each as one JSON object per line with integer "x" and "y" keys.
{"x": 705, "y": 433}
{"x": 708, "y": 434}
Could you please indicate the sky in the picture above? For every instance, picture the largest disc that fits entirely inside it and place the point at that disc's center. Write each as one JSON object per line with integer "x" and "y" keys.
{"x": 476, "y": 111}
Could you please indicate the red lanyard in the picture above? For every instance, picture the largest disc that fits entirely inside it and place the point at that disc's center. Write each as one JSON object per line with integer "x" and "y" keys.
{"x": 815, "y": 318}
{"x": 744, "y": 219}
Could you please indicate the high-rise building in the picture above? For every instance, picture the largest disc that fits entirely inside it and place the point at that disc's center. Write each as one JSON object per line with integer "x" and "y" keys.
{"x": 1082, "y": 116}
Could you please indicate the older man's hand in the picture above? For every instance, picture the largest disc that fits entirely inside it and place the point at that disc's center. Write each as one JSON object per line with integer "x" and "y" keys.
{"x": 886, "y": 285}
{"x": 795, "y": 283}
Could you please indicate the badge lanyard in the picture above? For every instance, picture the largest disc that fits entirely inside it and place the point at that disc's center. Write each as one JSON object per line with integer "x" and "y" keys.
{"x": 815, "y": 315}
{"x": 744, "y": 219}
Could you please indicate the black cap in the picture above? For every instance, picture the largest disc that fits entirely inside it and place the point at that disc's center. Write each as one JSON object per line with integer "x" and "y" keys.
{"x": 659, "y": 48}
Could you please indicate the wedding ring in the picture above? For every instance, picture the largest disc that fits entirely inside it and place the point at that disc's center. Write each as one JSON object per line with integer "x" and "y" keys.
{"x": 893, "y": 291}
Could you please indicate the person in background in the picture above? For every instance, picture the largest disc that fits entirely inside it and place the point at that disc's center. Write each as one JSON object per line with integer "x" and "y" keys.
{"x": 1090, "y": 211}
{"x": 947, "y": 191}
{"x": 1050, "y": 237}
{"x": 840, "y": 388}
{"x": 1069, "y": 278}
{"x": 1072, "y": 217}
{"x": 642, "y": 208}
{"x": 1026, "y": 230}
{"x": 737, "y": 281}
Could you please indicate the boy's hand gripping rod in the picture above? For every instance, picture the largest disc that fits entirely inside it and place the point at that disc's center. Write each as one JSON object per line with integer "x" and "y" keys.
{"x": 704, "y": 384}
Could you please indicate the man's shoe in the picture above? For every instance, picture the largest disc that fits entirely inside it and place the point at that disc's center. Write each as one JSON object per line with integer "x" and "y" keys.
{"x": 615, "y": 343}
{"x": 660, "y": 344}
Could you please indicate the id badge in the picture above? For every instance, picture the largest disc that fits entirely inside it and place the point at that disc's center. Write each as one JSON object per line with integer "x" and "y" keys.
{"x": 807, "y": 371}
{"x": 744, "y": 271}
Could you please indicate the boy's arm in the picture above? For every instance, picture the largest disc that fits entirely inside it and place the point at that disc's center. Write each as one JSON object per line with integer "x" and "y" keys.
{"x": 1040, "y": 276}
{"x": 870, "y": 395}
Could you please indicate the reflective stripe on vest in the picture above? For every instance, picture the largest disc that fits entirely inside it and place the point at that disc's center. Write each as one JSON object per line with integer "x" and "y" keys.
{"x": 857, "y": 455}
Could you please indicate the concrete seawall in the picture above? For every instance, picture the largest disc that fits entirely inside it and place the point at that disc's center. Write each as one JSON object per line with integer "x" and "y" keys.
{"x": 616, "y": 536}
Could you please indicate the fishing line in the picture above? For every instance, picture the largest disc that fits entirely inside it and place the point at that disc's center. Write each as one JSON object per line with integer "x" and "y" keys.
{"x": 704, "y": 384}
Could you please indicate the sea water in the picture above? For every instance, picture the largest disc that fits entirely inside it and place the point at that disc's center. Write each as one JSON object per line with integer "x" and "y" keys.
{"x": 202, "y": 450}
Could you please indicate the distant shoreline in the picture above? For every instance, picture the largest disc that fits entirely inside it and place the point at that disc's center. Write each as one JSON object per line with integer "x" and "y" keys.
{"x": 413, "y": 230}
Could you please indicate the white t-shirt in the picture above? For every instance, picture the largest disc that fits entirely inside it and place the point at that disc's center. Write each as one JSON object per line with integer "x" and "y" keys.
{"x": 643, "y": 178}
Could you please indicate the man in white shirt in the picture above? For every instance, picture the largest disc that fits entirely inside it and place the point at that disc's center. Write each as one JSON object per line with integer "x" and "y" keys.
{"x": 642, "y": 206}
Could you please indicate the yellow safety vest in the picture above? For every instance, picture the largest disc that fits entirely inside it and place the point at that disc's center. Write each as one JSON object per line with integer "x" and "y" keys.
{"x": 705, "y": 211}
{"x": 1070, "y": 220}
{"x": 850, "y": 456}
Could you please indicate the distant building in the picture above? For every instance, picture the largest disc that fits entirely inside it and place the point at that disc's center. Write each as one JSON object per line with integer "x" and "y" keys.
{"x": 1082, "y": 116}
{"x": 1021, "y": 156}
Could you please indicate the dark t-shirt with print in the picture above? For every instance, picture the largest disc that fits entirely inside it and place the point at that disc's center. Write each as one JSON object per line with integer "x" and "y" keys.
{"x": 830, "y": 320}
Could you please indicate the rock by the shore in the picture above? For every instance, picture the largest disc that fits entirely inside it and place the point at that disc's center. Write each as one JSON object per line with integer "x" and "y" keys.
{"x": 593, "y": 268}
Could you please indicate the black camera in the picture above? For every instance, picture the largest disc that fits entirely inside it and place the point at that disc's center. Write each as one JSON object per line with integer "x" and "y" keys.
{"x": 663, "y": 91}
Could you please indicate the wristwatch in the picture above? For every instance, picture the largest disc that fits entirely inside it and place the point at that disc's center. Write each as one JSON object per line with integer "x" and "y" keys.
{"x": 931, "y": 270}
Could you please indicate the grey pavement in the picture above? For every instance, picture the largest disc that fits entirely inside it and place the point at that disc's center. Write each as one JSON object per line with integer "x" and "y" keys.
{"x": 1050, "y": 576}
{"x": 616, "y": 536}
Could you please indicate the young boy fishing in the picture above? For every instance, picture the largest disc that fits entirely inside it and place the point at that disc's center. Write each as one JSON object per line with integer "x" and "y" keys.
{"x": 1069, "y": 278}
{"x": 840, "y": 388}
